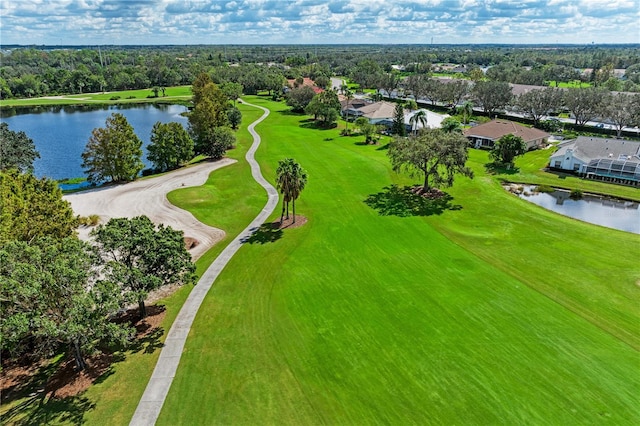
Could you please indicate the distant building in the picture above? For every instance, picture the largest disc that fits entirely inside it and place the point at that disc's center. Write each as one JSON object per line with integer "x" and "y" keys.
{"x": 485, "y": 135}
{"x": 610, "y": 160}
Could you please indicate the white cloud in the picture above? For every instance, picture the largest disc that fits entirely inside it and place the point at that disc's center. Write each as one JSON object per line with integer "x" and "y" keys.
{"x": 318, "y": 21}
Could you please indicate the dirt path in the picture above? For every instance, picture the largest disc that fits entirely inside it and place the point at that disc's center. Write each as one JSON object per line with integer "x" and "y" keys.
{"x": 149, "y": 197}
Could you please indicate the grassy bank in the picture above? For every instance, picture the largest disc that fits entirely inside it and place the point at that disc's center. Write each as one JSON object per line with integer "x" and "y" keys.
{"x": 172, "y": 95}
{"x": 384, "y": 309}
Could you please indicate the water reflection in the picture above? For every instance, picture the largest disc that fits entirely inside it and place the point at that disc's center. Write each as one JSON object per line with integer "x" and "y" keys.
{"x": 610, "y": 212}
{"x": 61, "y": 133}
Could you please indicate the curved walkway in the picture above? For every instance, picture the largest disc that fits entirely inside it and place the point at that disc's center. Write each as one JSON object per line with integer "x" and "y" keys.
{"x": 158, "y": 387}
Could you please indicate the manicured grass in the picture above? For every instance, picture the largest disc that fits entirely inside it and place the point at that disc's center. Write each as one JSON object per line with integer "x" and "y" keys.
{"x": 232, "y": 201}
{"x": 492, "y": 310}
{"x": 173, "y": 94}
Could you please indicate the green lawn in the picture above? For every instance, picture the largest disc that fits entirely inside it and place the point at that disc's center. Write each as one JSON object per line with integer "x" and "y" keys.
{"x": 486, "y": 310}
{"x": 173, "y": 94}
{"x": 232, "y": 200}
{"x": 573, "y": 83}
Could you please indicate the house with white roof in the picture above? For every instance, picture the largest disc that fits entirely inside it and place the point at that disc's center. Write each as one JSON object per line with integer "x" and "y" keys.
{"x": 611, "y": 160}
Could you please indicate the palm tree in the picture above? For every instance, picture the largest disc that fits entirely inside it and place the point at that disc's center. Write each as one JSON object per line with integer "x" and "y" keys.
{"x": 291, "y": 180}
{"x": 467, "y": 111}
{"x": 420, "y": 117}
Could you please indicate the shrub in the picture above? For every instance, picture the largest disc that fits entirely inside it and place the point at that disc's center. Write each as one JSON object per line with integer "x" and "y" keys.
{"x": 576, "y": 194}
{"x": 114, "y": 98}
{"x": 131, "y": 97}
{"x": 544, "y": 188}
{"x": 93, "y": 219}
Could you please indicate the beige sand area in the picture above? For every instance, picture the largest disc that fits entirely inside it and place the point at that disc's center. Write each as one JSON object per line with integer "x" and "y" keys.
{"x": 149, "y": 197}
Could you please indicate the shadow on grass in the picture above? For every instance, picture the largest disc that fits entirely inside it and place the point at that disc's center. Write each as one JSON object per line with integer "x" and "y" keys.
{"x": 317, "y": 125}
{"x": 383, "y": 147}
{"x": 38, "y": 404}
{"x": 500, "y": 169}
{"x": 265, "y": 233}
{"x": 44, "y": 411}
{"x": 396, "y": 201}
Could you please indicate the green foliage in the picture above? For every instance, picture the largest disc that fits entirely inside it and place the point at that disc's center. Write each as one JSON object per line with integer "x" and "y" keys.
{"x": 366, "y": 128}
{"x": 235, "y": 117}
{"x": 418, "y": 119}
{"x": 326, "y": 106}
{"x": 538, "y": 103}
{"x": 209, "y": 111}
{"x": 140, "y": 257}
{"x": 576, "y": 194}
{"x": 17, "y": 150}
{"x": 451, "y": 125}
{"x": 398, "y": 127}
{"x": 507, "y": 148}
{"x": 545, "y": 188}
{"x": 290, "y": 181}
{"x": 299, "y": 97}
{"x": 492, "y": 95}
{"x": 215, "y": 143}
{"x": 55, "y": 298}
{"x": 232, "y": 90}
{"x": 434, "y": 154}
{"x": 584, "y": 103}
{"x": 170, "y": 146}
{"x": 113, "y": 152}
{"x": 31, "y": 208}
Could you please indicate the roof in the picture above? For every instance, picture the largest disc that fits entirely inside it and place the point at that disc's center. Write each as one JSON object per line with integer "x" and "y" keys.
{"x": 306, "y": 82}
{"x": 495, "y": 129}
{"x": 588, "y": 148}
{"x": 379, "y": 110}
{"x": 434, "y": 120}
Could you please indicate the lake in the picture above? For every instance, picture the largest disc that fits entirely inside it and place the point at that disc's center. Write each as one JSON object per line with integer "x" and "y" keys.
{"x": 610, "y": 212}
{"x": 61, "y": 133}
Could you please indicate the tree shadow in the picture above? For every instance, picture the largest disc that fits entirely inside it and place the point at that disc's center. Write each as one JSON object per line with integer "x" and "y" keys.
{"x": 265, "y": 233}
{"x": 383, "y": 147}
{"x": 43, "y": 410}
{"x": 317, "y": 125}
{"x": 500, "y": 169}
{"x": 289, "y": 112}
{"x": 403, "y": 202}
{"x": 38, "y": 403}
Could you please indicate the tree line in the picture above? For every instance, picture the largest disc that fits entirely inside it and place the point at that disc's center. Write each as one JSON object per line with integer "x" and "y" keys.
{"x": 29, "y": 72}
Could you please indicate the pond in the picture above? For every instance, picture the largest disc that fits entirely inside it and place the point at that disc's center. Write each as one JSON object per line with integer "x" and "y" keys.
{"x": 610, "y": 212}
{"x": 61, "y": 133}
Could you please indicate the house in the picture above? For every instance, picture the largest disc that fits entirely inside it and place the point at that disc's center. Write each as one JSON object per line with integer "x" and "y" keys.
{"x": 611, "y": 160}
{"x": 291, "y": 83}
{"x": 351, "y": 107}
{"x": 378, "y": 111}
{"x": 434, "y": 120}
{"x": 484, "y": 135}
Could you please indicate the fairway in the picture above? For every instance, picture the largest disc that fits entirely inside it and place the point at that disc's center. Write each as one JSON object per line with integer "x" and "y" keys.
{"x": 487, "y": 310}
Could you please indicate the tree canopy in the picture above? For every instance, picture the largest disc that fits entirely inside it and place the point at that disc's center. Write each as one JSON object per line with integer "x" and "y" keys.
{"x": 113, "y": 152}
{"x": 170, "y": 146}
{"x": 326, "y": 106}
{"x": 434, "y": 154}
{"x": 17, "y": 150}
{"x": 52, "y": 296}
{"x": 507, "y": 148}
{"x": 32, "y": 208}
{"x": 299, "y": 97}
{"x": 141, "y": 257}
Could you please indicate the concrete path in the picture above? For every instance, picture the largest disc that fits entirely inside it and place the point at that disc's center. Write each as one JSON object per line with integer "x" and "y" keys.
{"x": 158, "y": 387}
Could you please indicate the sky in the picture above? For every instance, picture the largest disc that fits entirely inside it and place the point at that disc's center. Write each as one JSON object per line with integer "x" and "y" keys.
{"x": 152, "y": 22}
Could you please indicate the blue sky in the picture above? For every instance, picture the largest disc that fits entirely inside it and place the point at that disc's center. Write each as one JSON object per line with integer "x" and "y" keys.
{"x": 82, "y": 22}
